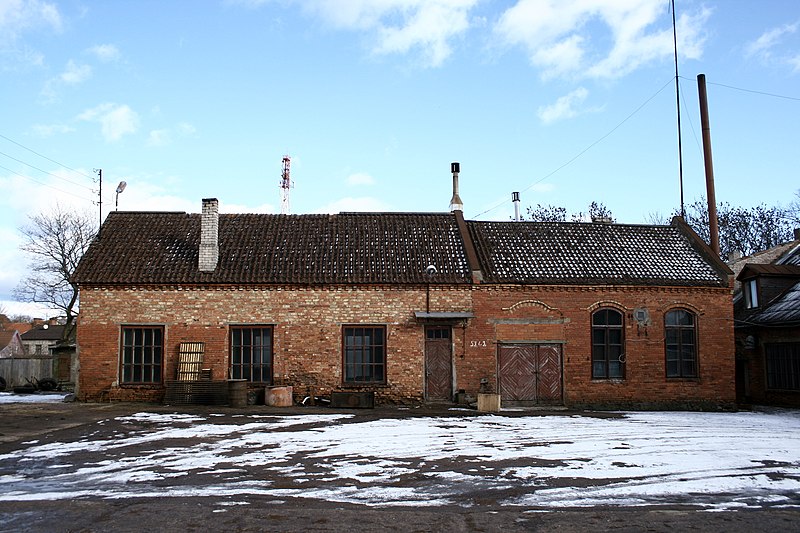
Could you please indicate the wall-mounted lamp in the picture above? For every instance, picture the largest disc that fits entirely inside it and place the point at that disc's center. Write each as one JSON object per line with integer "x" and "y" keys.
{"x": 430, "y": 271}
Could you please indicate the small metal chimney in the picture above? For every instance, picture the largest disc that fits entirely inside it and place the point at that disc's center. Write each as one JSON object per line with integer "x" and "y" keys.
{"x": 455, "y": 202}
{"x": 515, "y": 199}
{"x": 209, "y": 235}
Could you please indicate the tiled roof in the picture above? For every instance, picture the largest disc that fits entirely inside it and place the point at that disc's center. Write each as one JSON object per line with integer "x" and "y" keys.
{"x": 589, "y": 253}
{"x": 784, "y": 310}
{"x": 44, "y": 333}
{"x": 6, "y": 337}
{"x": 162, "y": 248}
{"x": 395, "y": 248}
{"x": 792, "y": 257}
{"x": 750, "y": 271}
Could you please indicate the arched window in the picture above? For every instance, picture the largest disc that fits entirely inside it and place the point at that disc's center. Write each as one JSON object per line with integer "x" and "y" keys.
{"x": 680, "y": 328}
{"x": 608, "y": 344}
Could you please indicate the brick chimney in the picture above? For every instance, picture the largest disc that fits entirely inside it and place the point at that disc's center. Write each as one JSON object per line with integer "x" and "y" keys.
{"x": 209, "y": 235}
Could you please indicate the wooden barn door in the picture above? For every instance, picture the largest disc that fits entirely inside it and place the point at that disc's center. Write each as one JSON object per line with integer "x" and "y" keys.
{"x": 438, "y": 364}
{"x": 530, "y": 374}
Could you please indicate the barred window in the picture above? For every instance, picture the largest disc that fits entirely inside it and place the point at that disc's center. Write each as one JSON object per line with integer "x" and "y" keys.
{"x": 142, "y": 354}
{"x": 251, "y": 354}
{"x": 364, "y": 354}
{"x": 681, "y": 344}
{"x": 783, "y": 366}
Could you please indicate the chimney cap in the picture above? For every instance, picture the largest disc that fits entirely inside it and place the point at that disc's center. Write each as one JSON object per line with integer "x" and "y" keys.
{"x": 455, "y": 202}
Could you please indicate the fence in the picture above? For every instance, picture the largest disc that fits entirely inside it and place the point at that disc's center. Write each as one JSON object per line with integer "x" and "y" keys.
{"x": 18, "y": 370}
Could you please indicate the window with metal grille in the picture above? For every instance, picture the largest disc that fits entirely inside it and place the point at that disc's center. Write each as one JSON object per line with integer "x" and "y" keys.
{"x": 364, "y": 354}
{"x": 608, "y": 353}
{"x": 251, "y": 353}
{"x": 681, "y": 343}
{"x": 142, "y": 354}
{"x": 783, "y": 366}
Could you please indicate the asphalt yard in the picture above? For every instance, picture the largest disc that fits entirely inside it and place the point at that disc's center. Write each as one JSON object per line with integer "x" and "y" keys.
{"x": 101, "y": 467}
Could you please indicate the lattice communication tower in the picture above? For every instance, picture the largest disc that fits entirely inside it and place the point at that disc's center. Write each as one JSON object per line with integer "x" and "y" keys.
{"x": 286, "y": 184}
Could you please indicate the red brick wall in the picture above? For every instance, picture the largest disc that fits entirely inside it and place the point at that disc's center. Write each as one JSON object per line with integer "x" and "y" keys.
{"x": 307, "y": 333}
{"x": 307, "y": 337}
{"x": 559, "y": 313}
{"x": 753, "y": 366}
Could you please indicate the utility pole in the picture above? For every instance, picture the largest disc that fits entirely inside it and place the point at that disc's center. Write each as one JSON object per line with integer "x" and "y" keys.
{"x": 99, "y": 172}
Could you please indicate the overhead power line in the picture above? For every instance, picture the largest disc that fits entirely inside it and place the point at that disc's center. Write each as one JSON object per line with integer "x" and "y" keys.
{"x": 592, "y": 145}
{"x": 62, "y": 191}
{"x": 44, "y": 156}
{"x": 773, "y": 95}
{"x": 45, "y": 172}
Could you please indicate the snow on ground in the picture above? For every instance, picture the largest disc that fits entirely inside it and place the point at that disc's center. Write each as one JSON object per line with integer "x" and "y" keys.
{"x": 719, "y": 460}
{"x": 38, "y": 397}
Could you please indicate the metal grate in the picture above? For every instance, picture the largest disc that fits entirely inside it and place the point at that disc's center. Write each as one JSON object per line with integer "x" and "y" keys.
{"x": 196, "y": 393}
{"x": 190, "y": 360}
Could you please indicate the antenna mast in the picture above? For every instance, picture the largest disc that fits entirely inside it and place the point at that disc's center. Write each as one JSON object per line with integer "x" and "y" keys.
{"x": 286, "y": 184}
{"x": 678, "y": 101}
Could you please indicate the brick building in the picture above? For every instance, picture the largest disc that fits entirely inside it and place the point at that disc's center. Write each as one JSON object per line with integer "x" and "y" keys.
{"x": 411, "y": 306}
{"x": 767, "y": 327}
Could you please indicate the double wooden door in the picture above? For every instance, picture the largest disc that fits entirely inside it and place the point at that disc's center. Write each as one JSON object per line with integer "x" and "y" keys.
{"x": 530, "y": 374}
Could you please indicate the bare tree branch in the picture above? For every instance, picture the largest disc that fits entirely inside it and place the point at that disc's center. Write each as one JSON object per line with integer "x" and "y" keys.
{"x": 55, "y": 243}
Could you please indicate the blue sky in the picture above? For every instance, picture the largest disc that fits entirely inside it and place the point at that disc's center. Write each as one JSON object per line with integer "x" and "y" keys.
{"x": 567, "y": 101}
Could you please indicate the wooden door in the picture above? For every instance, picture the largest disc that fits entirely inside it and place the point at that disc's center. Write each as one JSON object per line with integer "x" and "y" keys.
{"x": 438, "y": 364}
{"x": 530, "y": 374}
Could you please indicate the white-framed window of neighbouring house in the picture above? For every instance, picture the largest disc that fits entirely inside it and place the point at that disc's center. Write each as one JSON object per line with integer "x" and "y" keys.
{"x": 750, "y": 289}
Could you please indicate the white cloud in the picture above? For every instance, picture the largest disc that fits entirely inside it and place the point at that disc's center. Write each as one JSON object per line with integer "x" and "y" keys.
{"x": 75, "y": 73}
{"x": 768, "y": 47}
{"x": 159, "y": 138}
{"x": 557, "y": 36}
{"x": 25, "y": 195}
{"x": 186, "y": 129}
{"x": 48, "y": 130}
{"x": 17, "y": 16}
{"x": 349, "y": 204}
{"x": 105, "y": 52}
{"x": 359, "y": 178}
{"x": 115, "y": 120}
{"x": 165, "y": 136}
{"x": 768, "y": 40}
{"x": 399, "y": 26}
{"x": 567, "y": 106}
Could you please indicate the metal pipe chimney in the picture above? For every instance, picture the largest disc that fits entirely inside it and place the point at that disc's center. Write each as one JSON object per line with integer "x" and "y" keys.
{"x": 713, "y": 223}
{"x": 515, "y": 199}
{"x": 455, "y": 202}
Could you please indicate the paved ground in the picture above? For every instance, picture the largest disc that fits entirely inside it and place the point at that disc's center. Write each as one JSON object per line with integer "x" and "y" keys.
{"x": 96, "y": 438}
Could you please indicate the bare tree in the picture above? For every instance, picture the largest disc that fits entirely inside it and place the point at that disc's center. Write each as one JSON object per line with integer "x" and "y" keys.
{"x": 55, "y": 242}
{"x": 547, "y": 213}
{"x": 552, "y": 213}
{"x": 743, "y": 230}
